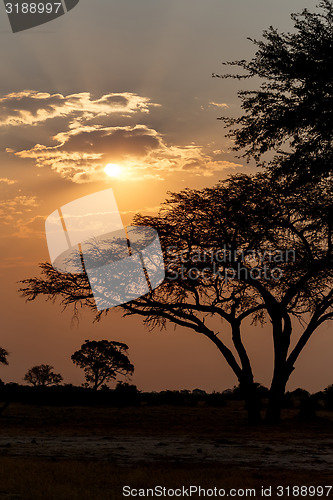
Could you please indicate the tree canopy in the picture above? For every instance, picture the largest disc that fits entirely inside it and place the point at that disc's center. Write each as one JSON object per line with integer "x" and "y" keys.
{"x": 102, "y": 361}
{"x": 42, "y": 376}
{"x": 291, "y": 114}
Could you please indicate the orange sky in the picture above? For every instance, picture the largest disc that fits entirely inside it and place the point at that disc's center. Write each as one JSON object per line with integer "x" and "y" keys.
{"x": 128, "y": 83}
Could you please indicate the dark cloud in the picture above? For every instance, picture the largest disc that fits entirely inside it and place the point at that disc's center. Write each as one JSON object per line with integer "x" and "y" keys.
{"x": 118, "y": 142}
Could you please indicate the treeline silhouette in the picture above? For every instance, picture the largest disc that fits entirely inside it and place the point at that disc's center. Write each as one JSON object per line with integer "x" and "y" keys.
{"x": 101, "y": 360}
{"x": 125, "y": 394}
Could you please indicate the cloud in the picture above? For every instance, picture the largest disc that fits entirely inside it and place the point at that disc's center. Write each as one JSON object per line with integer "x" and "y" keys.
{"x": 9, "y": 182}
{"x": 30, "y": 107}
{"x": 14, "y": 212}
{"x": 18, "y": 217}
{"x": 16, "y": 206}
{"x": 88, "y": 139}
{"x": 81, "y": 154}
{"x": 117, "y": 141}
{"x": 218, "y": 104}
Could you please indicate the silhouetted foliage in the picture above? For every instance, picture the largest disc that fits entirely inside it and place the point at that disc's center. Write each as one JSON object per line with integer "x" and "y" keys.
{"x": 308, "y": 408}
{"x": 291, "y": 114}
{"x": 3, "y": 356}
{"x": 102, "y": 361}
{"x": 328, "y": 395}
{"x": 42, "y": 376}
{"x": 125, "y": 394}
{"x": 237, "y": 392}
{"x": 4, "y": 361}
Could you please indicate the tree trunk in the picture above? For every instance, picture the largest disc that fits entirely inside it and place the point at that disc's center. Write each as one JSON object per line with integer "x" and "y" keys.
{"x": 275, "y": 402}
{"x": 252, "y": 401}
{"x": 246, "y": 383}
{"x": 282, "y": 370}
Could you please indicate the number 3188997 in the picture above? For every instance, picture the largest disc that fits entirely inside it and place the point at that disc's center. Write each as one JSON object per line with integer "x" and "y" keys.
{"x": 33, "y": 8}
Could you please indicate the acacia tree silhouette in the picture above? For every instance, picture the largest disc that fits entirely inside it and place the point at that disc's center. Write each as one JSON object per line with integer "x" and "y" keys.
{"x": 259, "y": 221}
{"x": 244, "y": 249}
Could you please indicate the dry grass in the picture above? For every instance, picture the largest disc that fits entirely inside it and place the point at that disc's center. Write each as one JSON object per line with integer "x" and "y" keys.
{"x": 146, "y": 420}
{"x": 77, "y": 480}
{"x": 38, "y": 478}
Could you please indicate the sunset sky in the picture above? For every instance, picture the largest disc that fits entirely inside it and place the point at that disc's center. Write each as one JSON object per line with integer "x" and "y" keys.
{"x": 129, "y": 83}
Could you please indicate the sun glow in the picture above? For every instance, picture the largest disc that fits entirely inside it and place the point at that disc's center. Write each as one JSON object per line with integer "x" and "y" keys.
{"x": 113, "y": 170}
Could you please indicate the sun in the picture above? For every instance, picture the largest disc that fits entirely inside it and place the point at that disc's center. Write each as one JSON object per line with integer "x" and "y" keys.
{"x": 113, "y": 170}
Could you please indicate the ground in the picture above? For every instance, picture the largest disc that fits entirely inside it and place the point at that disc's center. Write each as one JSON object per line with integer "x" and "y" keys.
{"x": 90, "y": 453}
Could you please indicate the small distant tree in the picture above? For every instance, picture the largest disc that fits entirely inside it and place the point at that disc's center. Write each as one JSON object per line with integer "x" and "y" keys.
{"x": 3, "y": 356}
{"x": 42, "y": 376}
{"x": 328, "y": 396}
{"x": 3, "y": 361}
{"x": 102, "y": 361}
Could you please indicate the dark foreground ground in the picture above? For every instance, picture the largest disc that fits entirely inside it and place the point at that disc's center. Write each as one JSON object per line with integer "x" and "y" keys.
{"x": 80, "y": 453}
